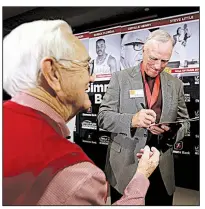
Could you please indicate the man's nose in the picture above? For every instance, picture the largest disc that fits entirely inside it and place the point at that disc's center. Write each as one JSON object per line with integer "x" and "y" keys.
{"x": 158, "y": 64}
{"x": 92, "y": 78}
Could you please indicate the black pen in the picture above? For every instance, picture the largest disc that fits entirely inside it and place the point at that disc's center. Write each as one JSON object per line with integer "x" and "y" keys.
{"x": 142, "y": 105}
{"x": 144, "y": 108}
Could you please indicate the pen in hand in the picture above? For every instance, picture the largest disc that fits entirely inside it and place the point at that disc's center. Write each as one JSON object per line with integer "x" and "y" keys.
{"x": 142, "y": 105}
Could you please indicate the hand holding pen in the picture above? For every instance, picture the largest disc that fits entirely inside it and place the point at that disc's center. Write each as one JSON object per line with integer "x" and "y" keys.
{"x": 154, "y": 128}
{"x": 144, "y": 118}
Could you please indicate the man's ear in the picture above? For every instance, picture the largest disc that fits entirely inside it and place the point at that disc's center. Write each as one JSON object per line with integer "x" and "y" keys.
{"x": 51, "y": 73}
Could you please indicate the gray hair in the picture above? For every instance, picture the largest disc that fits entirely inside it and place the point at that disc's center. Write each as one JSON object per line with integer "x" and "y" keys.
{"x": 26, "y": 46}
{"x": 160, "y": 35}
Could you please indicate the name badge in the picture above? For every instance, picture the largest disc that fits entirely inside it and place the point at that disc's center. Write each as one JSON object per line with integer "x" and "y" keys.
{"x": 136, "y": 93}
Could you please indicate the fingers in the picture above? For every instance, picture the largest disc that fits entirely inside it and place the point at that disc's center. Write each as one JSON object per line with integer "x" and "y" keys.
{"x": 144, "y": 118}
{"x": 154, "y": 149}
{"x": 164, "y": 127}
{"x": 149, "y": 160}
{"x": 147, "y": 123}
{"x": 139, "y": 155}
{"x": 142, "y": 151}
{"x": 156, "y": 154}
{"x": 147, "y": 117}
{"x": 156, "y": 130}
{"x": 144, "y": 124}
{"x": 151, "y": 113}
{"x": 146, "y": 153}
{"x": 150, "y": 118}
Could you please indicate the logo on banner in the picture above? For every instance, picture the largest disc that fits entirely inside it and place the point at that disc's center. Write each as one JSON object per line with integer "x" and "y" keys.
{"x": 196, "y": 150}
{"x": 187, "y": 97}
{"x": 89, "y": 137}
{"x": 178, "y": 146}
{"x": 104, "y": 140}
{"x": 196, "y": 113}
{"x": 87, "y": 124}
{"x": 186, "y": 84}
{"x": 196, "y": 79}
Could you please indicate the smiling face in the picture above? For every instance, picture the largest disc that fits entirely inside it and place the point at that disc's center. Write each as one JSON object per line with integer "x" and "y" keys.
{"x": 156, "y": 55}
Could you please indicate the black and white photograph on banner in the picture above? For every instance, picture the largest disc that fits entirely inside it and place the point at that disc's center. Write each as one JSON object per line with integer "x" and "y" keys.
{"x": 132, "y": 47}
{"x": 104, "y": 49}
{"x": 186, "y": 44}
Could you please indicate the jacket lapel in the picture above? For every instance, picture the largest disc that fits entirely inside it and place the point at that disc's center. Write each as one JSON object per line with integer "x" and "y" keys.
{"x": 137, "y": 84}
{"x": 166, "y": 89}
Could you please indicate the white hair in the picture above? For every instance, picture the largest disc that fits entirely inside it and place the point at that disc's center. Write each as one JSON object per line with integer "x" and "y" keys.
{"x": 159, "y": 35}
{"x": 26, "y": 46}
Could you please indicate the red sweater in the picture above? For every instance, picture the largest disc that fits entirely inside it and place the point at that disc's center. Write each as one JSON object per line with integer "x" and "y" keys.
{"x": 33, "y": 153}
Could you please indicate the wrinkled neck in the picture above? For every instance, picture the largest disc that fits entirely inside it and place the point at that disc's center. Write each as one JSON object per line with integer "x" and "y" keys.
{"x": 40, "y": 93}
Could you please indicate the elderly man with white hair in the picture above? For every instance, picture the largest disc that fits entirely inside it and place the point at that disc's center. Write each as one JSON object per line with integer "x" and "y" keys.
{"x": 46, "y": 71}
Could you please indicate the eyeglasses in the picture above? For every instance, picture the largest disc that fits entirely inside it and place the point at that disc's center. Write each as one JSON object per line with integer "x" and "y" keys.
{"x": 90, "y": 64}
{"x": 137, "y": 46}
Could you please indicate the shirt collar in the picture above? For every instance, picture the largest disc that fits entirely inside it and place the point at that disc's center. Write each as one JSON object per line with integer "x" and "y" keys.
{"x": 27, "y": 100}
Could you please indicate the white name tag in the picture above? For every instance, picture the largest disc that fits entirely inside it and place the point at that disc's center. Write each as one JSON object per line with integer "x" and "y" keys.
{"x": 136, "y": 93}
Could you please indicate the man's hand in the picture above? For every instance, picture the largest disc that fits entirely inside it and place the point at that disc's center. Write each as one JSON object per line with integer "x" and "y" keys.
{"x": 154, "y": 129}
{"x": 148, "y": 160}
{"x": 144, "y": 118}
